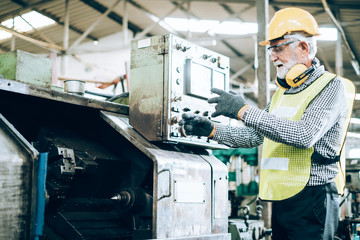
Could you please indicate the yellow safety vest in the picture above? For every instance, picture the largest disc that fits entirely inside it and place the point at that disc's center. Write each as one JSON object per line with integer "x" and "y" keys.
{"x": 285, "y": 170}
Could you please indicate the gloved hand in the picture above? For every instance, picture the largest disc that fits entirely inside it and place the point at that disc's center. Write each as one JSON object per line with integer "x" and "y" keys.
{"x": 196, "y": 125}
{"x": 228, "y": 103}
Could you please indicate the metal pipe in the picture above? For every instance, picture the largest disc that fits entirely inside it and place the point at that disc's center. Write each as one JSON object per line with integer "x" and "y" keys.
{"x": 65, "y": 57}
{"x": 12, "y": 47}
{"x": 263, "y": 58}
{"x": 66, "y": 25}
{"x": 41, "y": 34}
{"x": 354, "y": 61}
{"x": 125, "y": 23}
{"x": 241, "y": 71}
{"x": 32, "y": 40}
{"x": 338, "y": 55}
{"x": 154, "y": 18}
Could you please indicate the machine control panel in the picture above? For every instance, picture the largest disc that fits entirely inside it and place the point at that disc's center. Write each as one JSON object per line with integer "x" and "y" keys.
{"x": 171, "y": 76}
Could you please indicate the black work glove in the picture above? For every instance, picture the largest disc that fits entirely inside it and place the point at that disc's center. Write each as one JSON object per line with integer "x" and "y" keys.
{"x": 228, "y": 103}
{"x": 196, "y": 125}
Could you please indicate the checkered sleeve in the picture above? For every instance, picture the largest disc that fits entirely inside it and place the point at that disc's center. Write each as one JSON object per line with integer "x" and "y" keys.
{"x": 320, "y": 116}
{"x": 237, "y": 137}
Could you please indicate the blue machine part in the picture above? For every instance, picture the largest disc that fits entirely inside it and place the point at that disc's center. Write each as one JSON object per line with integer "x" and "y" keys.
{"x": 40, "y": 206}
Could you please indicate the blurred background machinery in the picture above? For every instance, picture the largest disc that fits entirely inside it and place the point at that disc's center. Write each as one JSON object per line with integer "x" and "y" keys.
{"x": 245, "y": 212}
{"x": 349, "y": 226}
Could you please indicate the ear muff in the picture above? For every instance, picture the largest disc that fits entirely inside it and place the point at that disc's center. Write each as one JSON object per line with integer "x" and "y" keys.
{"x": 282, "y": 83}
{"x": 298, "y": 74}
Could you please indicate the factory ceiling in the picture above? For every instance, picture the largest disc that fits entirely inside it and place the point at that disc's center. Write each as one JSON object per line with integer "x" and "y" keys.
{"x": 91, "y": 20}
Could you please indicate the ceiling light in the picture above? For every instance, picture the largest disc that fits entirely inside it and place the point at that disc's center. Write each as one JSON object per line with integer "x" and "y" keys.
{"x": 192, "y": 25}
{"x": 357, "y": 96}
{"x": 355, "y": 120}
{"x": 327, "y": 34}
{"x": 4, "y": 35}
{"x": 354, "y": 135}
{"x": 354, "y": 153}
{"x": 231, "y": 27}
{"x": 235, "y": 28}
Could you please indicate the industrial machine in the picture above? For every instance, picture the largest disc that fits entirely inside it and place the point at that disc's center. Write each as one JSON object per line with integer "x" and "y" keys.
{"x": 349, "y": 225}
{"x": 170, "y": 76}
{"x": 74, "y": 168}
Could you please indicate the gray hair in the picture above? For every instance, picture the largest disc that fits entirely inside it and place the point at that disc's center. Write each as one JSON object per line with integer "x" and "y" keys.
{"x": 310, "y": 40}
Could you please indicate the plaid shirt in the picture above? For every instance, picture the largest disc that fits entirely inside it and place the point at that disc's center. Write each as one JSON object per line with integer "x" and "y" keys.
{"x": 320, "y": 126}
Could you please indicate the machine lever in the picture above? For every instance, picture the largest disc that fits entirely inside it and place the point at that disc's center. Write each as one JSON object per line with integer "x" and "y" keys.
{"x": 170, "y": 180}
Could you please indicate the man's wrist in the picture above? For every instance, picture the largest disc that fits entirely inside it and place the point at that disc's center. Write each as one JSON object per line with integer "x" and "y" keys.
{"x": 212, "y": 134}
{"x": 242, "y": 111}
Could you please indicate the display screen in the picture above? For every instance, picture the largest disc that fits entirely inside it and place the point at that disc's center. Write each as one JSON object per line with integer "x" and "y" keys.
{"x": 218, "y": 80}
{"x": 198, "y": 79}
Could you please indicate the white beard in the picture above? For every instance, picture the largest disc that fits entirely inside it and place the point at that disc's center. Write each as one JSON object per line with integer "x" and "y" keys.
{"x": 281, "y": 72}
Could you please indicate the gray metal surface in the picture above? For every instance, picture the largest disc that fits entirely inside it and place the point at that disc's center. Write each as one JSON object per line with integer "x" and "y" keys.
{"x": 31, "y": 90}
{"x": 18, "y": 168}
{"x": 219, "y": 194}
{"x": 184, "y": 184}
{"x": 171, "y": 76}
{"x": 191, "y": 216}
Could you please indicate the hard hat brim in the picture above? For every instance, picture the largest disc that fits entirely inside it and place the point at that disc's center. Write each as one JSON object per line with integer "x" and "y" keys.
{"x": 264, "y": 43}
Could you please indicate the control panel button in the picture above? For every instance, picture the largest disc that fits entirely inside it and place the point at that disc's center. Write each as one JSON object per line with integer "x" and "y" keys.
{"x": 175, "y": 134}
{"x": 175, "y": 109}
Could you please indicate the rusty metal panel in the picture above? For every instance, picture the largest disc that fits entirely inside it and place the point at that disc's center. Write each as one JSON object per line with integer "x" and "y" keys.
{"x": 17, "y": 178}
{"x": 147, "y": 87}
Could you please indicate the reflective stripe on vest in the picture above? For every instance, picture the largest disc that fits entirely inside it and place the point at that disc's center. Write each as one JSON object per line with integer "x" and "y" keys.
{"x": 283, "y": 179}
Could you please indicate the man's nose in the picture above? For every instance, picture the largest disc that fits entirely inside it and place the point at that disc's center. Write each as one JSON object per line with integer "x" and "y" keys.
{"x": 273, "y": 57}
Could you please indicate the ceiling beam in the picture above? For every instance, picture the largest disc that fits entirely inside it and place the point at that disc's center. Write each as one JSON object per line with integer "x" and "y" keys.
{"x": 37, "y": 42}
{"x": 348, "y": 47}
{"x": 57, "y": 19}
{"x": 148, "y": 29}
{"x": 24, "y": 8}
{"x": 344, "y": 5}
{"x": 92, "y": 26}
{"x": 155, "y": 18}
{"x": 112, "y": 15}
{"x": 234, "y": 50}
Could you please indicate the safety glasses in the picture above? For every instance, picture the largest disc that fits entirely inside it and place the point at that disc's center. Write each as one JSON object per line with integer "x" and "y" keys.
{"x": 278, "y": 49}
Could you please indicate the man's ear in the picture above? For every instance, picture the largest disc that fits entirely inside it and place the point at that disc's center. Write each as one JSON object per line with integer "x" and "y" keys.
{"x": 304, "y": 47}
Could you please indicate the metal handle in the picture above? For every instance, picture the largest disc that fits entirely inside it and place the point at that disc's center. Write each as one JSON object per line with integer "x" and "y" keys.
{"x": 169, "y": 194}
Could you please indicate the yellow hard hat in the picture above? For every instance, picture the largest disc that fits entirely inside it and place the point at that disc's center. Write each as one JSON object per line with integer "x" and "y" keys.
{"x": 289, "y": 20}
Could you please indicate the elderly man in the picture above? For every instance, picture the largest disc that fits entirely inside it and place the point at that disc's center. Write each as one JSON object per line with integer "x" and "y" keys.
{"x": 302, "y": 130}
